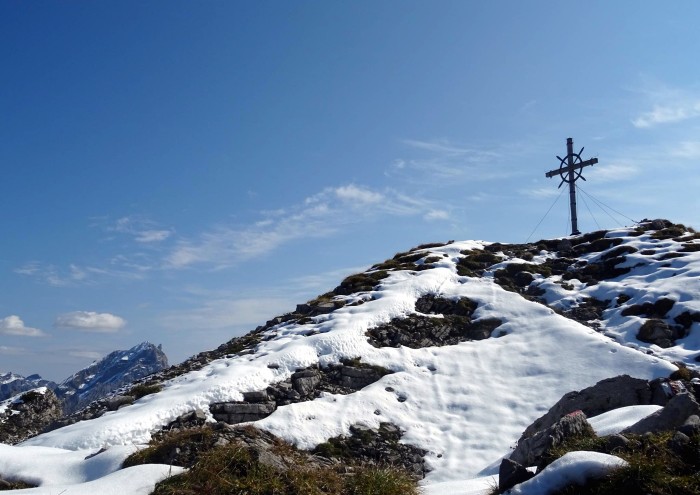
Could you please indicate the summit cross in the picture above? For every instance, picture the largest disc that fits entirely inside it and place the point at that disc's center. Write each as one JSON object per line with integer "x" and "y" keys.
{"x": 570, "y": 170}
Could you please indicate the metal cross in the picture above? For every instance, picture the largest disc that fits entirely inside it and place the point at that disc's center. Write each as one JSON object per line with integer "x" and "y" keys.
{"x": 570, "y": 170}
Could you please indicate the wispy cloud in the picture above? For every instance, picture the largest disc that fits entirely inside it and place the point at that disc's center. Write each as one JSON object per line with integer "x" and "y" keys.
{"x": 436, "y": 215}
{"x": 687, "y": 149}
{"x": 668, "y": 106}
{"x": 94, "y": 355}
{"x": 230, "y": 312}
{"x": 323, "y": 281}
{"x": 443, "y": 161}
{"x": 90, "y": 321}
{"x": 540, "y": 192}
{"x": 12, "y": 351}
{"x": 615, "y": 171}
{"x": 319, "y": 215}
{"x": 76, "y": 275}
{"x": 13, "y": 325}
{"x": 138, "y": 227}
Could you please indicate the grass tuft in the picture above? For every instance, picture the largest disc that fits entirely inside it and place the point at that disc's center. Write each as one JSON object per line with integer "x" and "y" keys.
{"x": 145, "y": 389}
{"x": 656, "y": 466}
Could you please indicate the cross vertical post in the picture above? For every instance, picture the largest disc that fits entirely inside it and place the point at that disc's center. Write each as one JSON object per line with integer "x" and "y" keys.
{"x": 570, "y": 171}
{"x": 572, "y": 186}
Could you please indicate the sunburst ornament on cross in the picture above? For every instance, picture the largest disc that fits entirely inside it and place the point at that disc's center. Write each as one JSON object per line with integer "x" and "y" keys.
{"x": 570, "y": 170}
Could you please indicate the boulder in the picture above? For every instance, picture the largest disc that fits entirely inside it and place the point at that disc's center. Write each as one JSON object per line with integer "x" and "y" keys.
{"x": 305, "y": 382}
{"x": 604, "y": 396}
{"x": 241, "y": 412}
{"x": 691, "y": 427}
{"x": 531, "y": 451}
{"x": 673, "y": 415}
{"x": 510, "y": 474}
{"x": 657, "y": 332}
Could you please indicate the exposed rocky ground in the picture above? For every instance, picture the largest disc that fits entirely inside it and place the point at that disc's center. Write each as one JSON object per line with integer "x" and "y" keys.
{"x": 28, "y": 414}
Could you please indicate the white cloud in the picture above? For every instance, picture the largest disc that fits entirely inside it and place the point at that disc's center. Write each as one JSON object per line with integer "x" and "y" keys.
{"x": 11, "y": 351}
{"x": 75, "y": 275}
{"x": 227, "y": 313}
{"x": 30, "y": 268}
{"x": 669, "y": 105}
{"x": 13, "y": 325}
{"x": 355, "y": 194}
{"x": 687, "y": 149}
{"x": 444, "y": 162}
{"x": 541, "y": 192}
{"x": 668, "y": 114}
{"x": 152, "y": 235}
{"x": 319, "y": 215}
{"x": 141, "y": 229}
{"x": 90, "y": 321}
{"x": 436, "y": 215}
{"x": 94, "y": 355}
{"x": 615, "y": 171}
{"x": 322, "y": 282}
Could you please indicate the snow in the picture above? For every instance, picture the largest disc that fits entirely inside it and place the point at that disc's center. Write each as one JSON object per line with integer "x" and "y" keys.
{"x": 475, "y": 486}
{"x": 465, "y": 404}
{"x": 650, "y": 279}
{"x": 571, "y": 468}
{"x": 617, "y": 420}
{"x": 79, "y": 472}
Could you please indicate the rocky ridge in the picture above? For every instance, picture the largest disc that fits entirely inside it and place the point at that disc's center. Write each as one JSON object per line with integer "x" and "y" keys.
{"x": 12, "y": 384}
{"x": 28, "y": 414}
{"x": 549, "y": 272}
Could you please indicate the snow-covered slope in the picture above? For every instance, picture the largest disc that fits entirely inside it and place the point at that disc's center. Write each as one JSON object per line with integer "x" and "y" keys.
{"x": 466, "y": 404}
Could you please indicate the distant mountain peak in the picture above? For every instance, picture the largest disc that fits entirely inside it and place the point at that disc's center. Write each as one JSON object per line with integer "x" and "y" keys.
{"x": 116, "y": 369}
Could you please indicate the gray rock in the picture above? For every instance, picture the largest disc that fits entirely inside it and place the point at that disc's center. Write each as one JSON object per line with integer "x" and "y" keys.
{"x": 678, "y": 443}
{"x": 117, "y": 401}
{"x": 241, "y": 412}
{"x": 606, "y": 395}
{"x": 691, "y": 427}
{"x": 658, "y": 224}
{"x": 325, "y": 307}
{"x": 357, "y": 378}
{"x": 306, "y": 381}
{"x": 616, "y": 442}
{"x": 511, "y": 473}
{"x": 673, "y": 415}
{"x": 259, "y": 396}
{"x": 656, "y": 332}
{"x": 530, "y": 451}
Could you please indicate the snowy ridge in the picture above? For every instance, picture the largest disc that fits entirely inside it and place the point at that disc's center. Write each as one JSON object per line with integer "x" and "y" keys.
{"x": 465, "y": 404}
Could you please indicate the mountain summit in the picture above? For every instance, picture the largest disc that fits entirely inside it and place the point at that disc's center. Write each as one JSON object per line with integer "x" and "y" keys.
{"x": 436, "y": 360}
{"x": 106, "y": 375}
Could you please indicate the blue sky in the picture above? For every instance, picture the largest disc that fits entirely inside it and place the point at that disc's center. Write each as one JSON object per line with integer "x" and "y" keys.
{"x": 180, "y": 172}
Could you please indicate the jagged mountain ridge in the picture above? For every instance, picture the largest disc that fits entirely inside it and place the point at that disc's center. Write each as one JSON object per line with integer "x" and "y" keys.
{"x": 12, "y": 384}
{"x": 113, "y": 371}
{"x": 99, "y": 379}
{"x": 463, "y": 397}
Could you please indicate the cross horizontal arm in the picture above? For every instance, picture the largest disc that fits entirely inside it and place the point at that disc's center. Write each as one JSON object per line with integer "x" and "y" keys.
{"x": 558, "y": 171}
